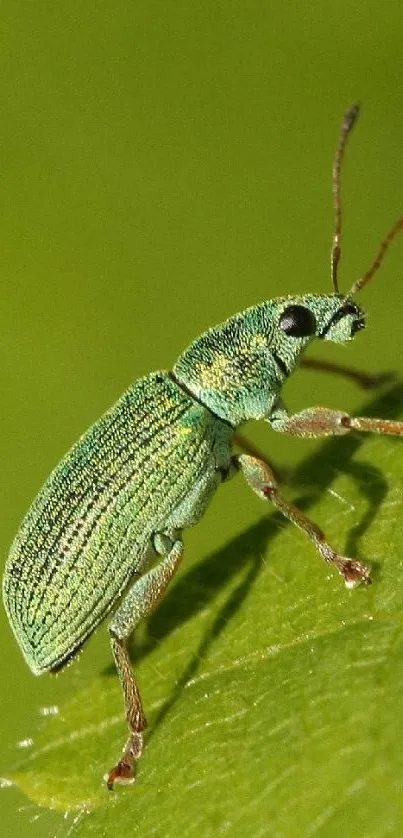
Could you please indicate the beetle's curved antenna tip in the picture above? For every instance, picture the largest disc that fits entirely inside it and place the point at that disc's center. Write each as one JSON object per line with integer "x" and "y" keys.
{"x": 351, "y": 116}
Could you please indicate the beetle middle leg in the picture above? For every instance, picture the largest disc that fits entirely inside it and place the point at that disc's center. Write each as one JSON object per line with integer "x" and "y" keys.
{"x": 365, "y": 380}
{"x": 261, "y": 479}
{"x": 140, "y": 600}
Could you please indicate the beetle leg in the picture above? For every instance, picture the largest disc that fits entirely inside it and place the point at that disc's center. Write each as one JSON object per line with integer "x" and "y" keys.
{"x": 140, "y": 600}
{"x": 280, "y": 472}
{"x": 322, "y": 421}
{"x": 261, "y": 479}
{"x": 365, "y": 380}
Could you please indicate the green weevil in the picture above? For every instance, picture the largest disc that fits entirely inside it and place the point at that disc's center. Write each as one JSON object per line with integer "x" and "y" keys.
{"x": 106, "y": 528}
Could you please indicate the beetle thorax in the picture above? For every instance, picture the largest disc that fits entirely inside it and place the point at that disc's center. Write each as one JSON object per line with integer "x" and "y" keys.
{"x": 237, "y": 369}
{"x": 231, "y": 368}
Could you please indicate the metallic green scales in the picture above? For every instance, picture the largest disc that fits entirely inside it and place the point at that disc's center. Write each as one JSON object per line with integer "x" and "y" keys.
{"x": 88, "y": 530}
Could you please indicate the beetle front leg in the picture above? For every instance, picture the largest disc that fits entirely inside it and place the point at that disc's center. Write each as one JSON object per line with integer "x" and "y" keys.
{"x": 138, "y": 603}
{"x": 322, "y": 421}
{"x": 261, "y": 479}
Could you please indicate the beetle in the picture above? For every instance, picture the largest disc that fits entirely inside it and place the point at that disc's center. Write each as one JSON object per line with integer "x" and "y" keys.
{"x": 106, "y": 528}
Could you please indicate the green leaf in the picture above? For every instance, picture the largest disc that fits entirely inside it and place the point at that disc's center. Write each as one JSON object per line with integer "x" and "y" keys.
{"x": 273, "y": 692}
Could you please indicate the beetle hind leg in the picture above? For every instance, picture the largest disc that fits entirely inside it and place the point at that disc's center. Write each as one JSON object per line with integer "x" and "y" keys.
{"x": 140, "y": 600}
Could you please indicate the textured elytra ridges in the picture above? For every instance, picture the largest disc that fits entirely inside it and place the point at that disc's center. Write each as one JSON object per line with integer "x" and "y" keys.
{"x": 90, "y": 526}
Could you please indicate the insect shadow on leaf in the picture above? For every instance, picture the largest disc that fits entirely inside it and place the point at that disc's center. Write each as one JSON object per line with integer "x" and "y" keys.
{"x": 197, "y": 587}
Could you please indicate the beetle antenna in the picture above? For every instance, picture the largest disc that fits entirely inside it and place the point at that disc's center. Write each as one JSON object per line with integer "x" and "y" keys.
{"x": 359, "y": 283}
{"x": 350, "y": 117}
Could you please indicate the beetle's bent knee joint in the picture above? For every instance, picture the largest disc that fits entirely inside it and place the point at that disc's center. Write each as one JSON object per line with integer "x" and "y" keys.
{"x": 162, "y": 543}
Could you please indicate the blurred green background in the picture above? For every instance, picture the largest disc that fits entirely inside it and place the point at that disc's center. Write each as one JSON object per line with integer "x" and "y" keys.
{"x": 164, "y": 165}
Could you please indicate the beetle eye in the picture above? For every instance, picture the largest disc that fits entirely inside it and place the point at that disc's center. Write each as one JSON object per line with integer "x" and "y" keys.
{"x": 350, "y": 308}
{"x": 297, "y": 322}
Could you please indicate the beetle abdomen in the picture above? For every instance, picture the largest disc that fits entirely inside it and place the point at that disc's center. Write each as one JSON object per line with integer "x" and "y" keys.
{"x": 89, "y": 527}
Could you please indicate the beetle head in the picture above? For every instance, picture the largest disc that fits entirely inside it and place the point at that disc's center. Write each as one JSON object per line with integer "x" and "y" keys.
{"x": 237, "y": 368}
{"x": 329, "y": 317}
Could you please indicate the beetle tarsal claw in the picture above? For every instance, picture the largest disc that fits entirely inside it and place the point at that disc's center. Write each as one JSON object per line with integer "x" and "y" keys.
{"x": 123, "y": 772}
{"x": 355, "y": 573}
